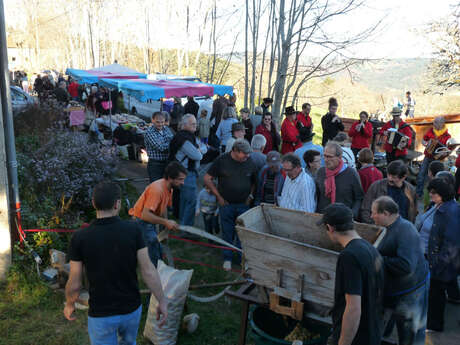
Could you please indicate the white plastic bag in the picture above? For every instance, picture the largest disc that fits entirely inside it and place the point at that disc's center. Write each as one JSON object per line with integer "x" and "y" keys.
{"x": 175, "y": 285}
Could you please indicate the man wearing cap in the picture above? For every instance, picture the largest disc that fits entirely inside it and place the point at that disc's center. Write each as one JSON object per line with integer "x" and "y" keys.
{"x": 238, "y": 132}
{"x": 271, "y": 180}
{"x": 406, "y": 273}
{"x": 267, "y": 103}
{"x": 248, "y": 126}
{"x": 236, "y": 176}
{"x": 397, "y": 124}
{"x": 306, "y": 137}
{"x": 299, "y": 190}
{"x": 337, "y": 182}
{"x": 357, "y": 314}
{"x": 289, "y": 132}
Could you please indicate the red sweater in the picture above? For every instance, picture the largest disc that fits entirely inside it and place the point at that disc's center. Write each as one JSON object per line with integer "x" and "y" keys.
{"x": 261, "y": 129}
{"x": 73, "y": 89}
{"x": 430, "y": 135}
{"x": 406, "y": 131}
{"x": 360, "y": 139}
{"x": 305, "y": 120}
{"x": 368, "y": 176}
{"x": 289, "y": 134}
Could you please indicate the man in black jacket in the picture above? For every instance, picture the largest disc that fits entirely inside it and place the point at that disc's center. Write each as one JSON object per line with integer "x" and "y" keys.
{"x": 331, "y": 123}
{"x": 176, "y": 113}
{"x": 191, "y": 107}
{"x": 406, "y": 273}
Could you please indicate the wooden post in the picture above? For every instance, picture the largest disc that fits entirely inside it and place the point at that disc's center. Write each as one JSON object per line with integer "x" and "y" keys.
{"x": 6, "y": 142}
{"x": 5, "y": 237}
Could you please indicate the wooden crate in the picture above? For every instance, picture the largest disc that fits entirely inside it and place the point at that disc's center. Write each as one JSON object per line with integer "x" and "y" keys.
{"x": 286, "y": 252}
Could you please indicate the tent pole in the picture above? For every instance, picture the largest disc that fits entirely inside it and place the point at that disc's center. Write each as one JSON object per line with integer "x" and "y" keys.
{"x": 161, "y": 104}
{"x": 110, "y": 114}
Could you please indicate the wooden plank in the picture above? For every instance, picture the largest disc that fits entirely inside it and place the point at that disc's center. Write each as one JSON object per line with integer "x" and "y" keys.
{"x": 253, "y": 219}
{"x": 324, "y": 277}
{"x": 294, "y": 250}
{"x": 323, "y": 295}
{"x": 301, "y": 226}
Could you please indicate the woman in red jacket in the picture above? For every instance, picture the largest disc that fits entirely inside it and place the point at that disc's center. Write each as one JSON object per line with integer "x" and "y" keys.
{"x": 268, "y": 129}
{"x": 289, "y": 132}
{"x": 360, "y": 132}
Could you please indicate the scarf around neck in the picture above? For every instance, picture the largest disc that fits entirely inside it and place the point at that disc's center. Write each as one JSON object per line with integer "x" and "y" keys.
{"x": 329, "y": 182}
{"x": 440, "y": 132}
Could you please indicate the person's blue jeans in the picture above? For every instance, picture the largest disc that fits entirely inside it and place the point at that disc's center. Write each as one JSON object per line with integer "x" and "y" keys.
{"x": 228, "y": 215}
{"x": 155, "y": 169}
{"x": 422, "y": 174}
{"x": 114, "y": 330}
{"x": 188, "y": 196}
{"x": 149, "y": 233}
{"x": 409, "y": 314}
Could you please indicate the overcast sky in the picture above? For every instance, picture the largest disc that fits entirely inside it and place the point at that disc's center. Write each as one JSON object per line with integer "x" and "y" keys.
{"x": 397, "y": 38}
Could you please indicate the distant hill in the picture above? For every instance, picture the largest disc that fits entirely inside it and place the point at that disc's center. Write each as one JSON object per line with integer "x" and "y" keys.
{"x": 392, "y": 74}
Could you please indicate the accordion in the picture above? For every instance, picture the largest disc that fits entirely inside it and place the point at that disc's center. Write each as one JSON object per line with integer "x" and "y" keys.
{"x": 397, "y": 139}
{"x": 437, "y": 150}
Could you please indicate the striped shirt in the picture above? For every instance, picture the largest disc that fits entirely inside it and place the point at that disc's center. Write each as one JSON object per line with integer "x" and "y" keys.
{"x": 299, "y": 194}
{"x": 157, "y": 143}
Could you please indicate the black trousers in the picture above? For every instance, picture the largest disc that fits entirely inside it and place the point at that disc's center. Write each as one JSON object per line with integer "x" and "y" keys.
{"x": 437, "y": 304}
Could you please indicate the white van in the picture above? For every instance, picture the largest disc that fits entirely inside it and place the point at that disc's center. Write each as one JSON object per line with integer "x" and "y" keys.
{"x": 145, "y": 110}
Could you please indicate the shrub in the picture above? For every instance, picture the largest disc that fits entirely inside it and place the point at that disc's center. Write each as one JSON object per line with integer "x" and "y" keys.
{"x": 56, "y": 180}
{"x": 38, "y": 119}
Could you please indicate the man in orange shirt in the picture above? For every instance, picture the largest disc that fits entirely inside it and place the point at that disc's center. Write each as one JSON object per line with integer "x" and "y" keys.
{"x": 150, "y": 209}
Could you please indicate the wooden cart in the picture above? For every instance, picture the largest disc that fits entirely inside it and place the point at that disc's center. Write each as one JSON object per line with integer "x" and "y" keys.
{"x": 292, "y": 257}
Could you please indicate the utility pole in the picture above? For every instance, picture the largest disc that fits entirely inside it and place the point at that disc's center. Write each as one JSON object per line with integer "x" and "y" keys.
{"x": 9, "y": 193}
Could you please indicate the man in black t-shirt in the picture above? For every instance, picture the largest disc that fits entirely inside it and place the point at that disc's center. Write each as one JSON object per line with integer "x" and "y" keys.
{"x": 357, "y": 314}
{"x": 111, "y": 249}
{"x": 236, "y": 176}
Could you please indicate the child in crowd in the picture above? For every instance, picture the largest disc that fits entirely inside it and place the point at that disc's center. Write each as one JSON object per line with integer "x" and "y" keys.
{"x": 368, "y": 173}
{"x": 203, "y": 126}
{"x": 207, "y": 205}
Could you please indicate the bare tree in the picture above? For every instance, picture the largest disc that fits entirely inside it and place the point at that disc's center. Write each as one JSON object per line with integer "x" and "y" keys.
{"x": 445, "y": 39}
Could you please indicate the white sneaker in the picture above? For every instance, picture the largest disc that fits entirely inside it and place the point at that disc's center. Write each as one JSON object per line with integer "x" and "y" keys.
{"x": 227, "y": 265}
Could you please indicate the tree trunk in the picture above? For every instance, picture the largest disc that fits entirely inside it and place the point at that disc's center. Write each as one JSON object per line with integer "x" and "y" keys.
{"x": 246, "y": 60}
{"x": 265, "y": 51}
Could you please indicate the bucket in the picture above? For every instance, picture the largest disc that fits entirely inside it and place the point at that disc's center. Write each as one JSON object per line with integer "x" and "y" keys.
{"x": 270, "y": 328}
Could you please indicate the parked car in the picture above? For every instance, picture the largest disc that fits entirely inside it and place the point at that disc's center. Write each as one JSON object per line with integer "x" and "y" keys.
{"x": 144, "y": 110}
{"x": 20, "y": 100}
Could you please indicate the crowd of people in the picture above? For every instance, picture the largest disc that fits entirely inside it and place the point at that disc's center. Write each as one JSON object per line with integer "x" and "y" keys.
{"x": 402, "y": 282}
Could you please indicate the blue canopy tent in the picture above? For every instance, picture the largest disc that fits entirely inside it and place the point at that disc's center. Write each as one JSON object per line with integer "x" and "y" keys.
{"x": 94, "y": 76}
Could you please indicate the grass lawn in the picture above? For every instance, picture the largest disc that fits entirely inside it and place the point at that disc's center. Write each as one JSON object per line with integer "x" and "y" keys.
{"x": 31, "y": 312}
